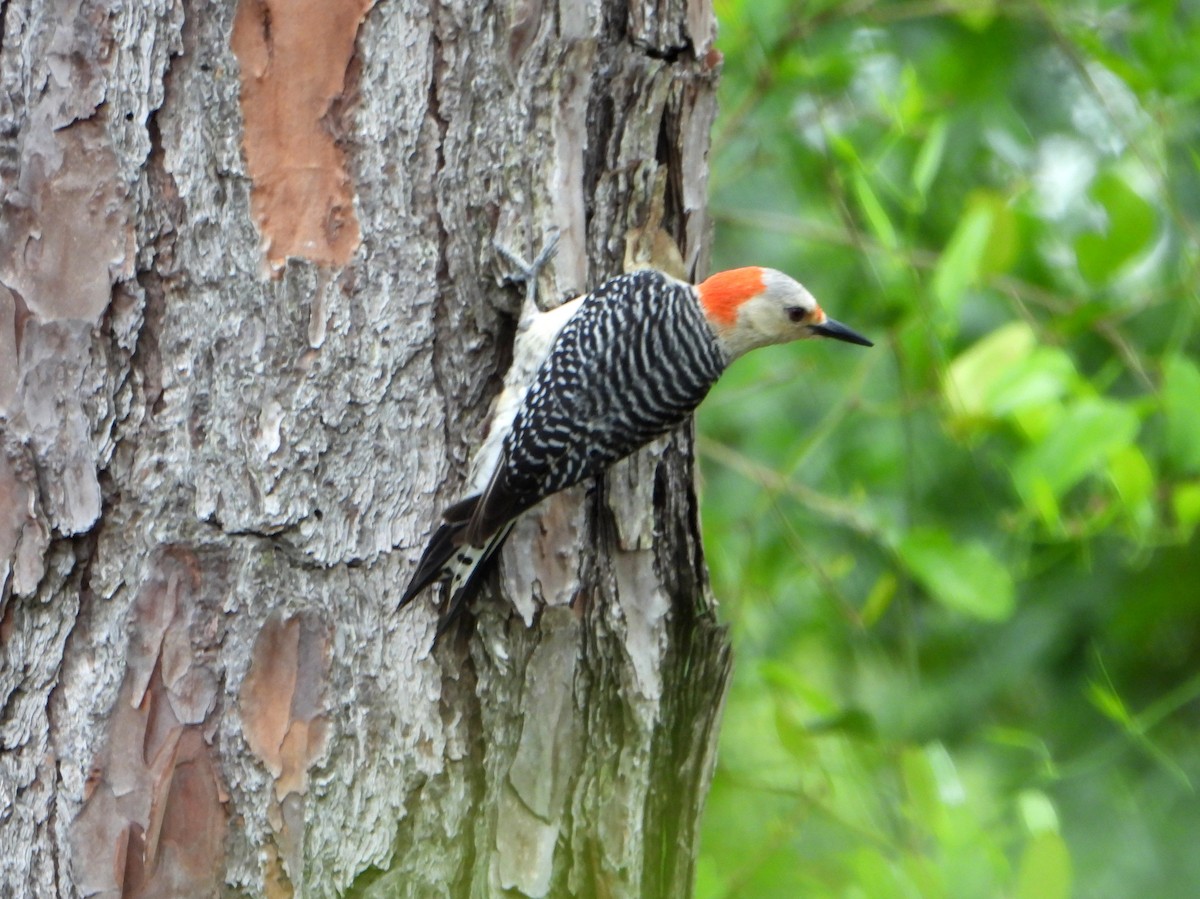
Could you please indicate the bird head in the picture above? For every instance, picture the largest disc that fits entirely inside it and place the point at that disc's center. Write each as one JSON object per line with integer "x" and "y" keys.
{"x": 753, "y": 307}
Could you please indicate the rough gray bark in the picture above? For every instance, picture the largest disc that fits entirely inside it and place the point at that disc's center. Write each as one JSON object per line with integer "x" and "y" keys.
{"x": 251, "y": 320}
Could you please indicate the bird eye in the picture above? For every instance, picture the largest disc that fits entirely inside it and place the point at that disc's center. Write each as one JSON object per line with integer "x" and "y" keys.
{"x": 796, "y": 313}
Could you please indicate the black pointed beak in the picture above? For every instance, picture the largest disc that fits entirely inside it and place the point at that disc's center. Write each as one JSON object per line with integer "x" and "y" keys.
{"x": 838, "y": 331}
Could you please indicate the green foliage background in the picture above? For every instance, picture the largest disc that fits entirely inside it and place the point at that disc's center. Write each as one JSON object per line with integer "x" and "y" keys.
{"x": 961, "y": 568}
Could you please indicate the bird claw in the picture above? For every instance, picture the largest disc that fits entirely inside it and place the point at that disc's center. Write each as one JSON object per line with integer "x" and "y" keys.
{"x": 527, "y": 272}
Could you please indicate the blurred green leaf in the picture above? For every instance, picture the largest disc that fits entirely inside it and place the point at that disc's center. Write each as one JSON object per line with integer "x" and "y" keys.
{"x": 961, "y": 575}
{"x": 925, "y": 879}
{"x": 792, "y": 684}
{"x": 971, "y": 378}
{"x": 921, "y": 790}
{"x": 912, "y": 104}
{"x": 876, "y": 876}
{"x": 929, "y": 158}
{"x": 1043, "y": 501}
{"x": 879, "y": 599}
{"x": 1131, "y": 226}
{"x": 1185, "y": 505}
{"x": 793, "y": 733}
{"x": 1045, "y": 869}
{"x": 1044, "y": 376}
{"x": 1131, "y": 475}
{"x": 1181, "y": 405}
{"x": 941, "y": 763}
{"x": 960, "y": 264}
{"x": 1037, "y": 811}
{"x": 975, "y": 14}
{"x": 1108, "y": 702}
{"x": 877, "y": 217}
{"x": 1004, "y": 237}
{"x": 1030, "y": 742}
{"x": 1086, "y": 436}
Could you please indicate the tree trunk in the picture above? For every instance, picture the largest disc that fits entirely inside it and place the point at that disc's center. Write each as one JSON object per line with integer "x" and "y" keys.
{"x": 251, "y": 321}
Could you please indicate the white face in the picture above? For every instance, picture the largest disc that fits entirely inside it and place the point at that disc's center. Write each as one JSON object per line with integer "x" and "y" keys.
{"x": 783, "y": 312}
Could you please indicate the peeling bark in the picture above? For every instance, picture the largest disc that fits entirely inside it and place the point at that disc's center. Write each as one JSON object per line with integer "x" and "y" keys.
{"x": 294, "y": 56}
{"x": 154, "y": 813}
{"x": 251, "y": 321}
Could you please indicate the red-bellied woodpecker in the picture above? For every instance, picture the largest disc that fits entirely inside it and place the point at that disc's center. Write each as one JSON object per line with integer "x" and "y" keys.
{"x": 605, "y": 374}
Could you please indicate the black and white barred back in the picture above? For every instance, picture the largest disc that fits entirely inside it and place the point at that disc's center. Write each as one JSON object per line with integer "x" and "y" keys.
{"x": 632, "y": 363}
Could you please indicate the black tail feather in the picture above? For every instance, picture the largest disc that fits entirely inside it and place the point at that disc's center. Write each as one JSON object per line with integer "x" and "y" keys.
{"x": 448, "y": 557}
{"x": 440, "y": 548}
{"x": 437, "y": 553}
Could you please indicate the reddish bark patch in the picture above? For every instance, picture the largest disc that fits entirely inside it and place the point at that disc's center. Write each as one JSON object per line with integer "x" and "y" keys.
{"x": 294, "y": 56}
{"x": 282, "y": 703}
{"x": 188, "y": 824}
{"x": 153, "y": 822}
{"x": 282, "y": 698}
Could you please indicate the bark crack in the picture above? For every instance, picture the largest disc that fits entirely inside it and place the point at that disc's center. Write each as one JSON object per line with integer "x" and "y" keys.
{"x": 442, "y": 273}
{"x": 668, "y": 55}
{"x": 84, "y": 548}
{"x": 52, "y": 818}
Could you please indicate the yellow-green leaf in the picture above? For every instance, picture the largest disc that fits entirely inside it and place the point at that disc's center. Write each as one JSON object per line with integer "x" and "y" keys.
{"x": 929, "y": 157}
{"x": 1180, "y": 395}
{"x": 958, "y": 268}
{"x": 960, "y": 574}
{"x": 876, "y": 215}
{"x": 1130, "y": 227}
{"x": 1086, "y": 436}
{"x": 1045, "y": 869}
{"x": 971, "y": 377}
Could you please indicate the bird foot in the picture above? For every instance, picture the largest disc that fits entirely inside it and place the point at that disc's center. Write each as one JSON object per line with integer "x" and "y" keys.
{"x": 527, "y": 273}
